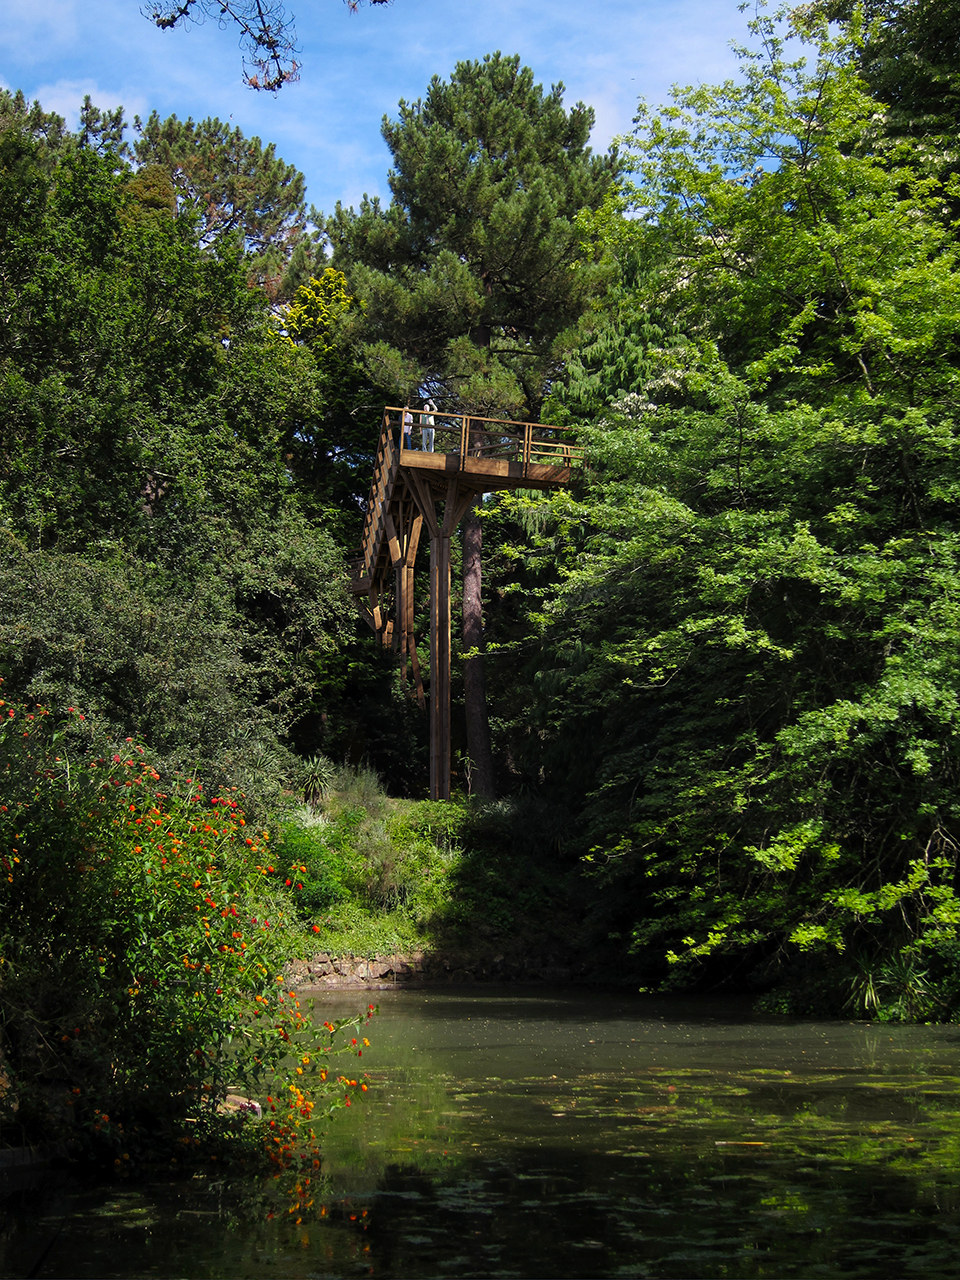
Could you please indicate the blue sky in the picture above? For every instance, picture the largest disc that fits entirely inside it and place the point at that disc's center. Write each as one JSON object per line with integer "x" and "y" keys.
{"x": 356, "y": 67}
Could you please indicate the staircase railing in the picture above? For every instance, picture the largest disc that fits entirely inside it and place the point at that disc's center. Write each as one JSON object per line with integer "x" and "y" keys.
{"x": 384, "y": 474}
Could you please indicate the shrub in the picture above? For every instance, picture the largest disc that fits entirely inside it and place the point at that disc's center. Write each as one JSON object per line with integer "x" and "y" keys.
{"x": 375, "y": 854}
{"x": 318, "y": 776}
{"x": 142, "y": 941}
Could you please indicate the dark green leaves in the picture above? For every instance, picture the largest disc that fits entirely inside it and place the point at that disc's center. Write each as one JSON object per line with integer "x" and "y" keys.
{"x": 479, "y": 251}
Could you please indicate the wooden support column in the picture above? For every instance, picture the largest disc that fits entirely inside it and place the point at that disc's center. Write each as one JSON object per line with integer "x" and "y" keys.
{"x": 440, "y": 667}
{"x": 412, "y": 642}
{"x": 403, "y": 561}
{"x": 406, "y": 598}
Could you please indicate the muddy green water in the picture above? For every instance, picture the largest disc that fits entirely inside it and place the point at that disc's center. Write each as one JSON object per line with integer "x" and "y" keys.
{"x": 573, "y": 1134}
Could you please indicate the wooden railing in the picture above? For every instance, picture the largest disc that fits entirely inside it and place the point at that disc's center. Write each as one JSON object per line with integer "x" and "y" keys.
{"x": 384, "y": 474}
{"x": 475, "y": 437}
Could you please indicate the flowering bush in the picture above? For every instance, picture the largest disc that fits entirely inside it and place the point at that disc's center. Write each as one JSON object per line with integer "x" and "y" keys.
{"x": 141, "y": 955}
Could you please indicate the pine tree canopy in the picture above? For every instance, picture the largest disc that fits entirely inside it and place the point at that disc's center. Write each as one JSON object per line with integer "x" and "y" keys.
{"x": 474, "y": 277}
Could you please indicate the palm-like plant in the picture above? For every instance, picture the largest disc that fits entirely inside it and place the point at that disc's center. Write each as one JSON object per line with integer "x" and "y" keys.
{"x": 319, "y": 773}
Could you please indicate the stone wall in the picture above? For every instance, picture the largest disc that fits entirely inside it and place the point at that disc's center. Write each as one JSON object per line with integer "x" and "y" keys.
{"x": 423, "y": 968}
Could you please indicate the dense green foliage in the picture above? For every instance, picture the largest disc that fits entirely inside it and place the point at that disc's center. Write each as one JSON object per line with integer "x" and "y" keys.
{"x": 723, "y": 666}
{"x": 910, "y": 60}
{"x": 458, "y": 883}
{"x": 233, "y": 186}
{"x": 174, "y": 582}
{"x": 745, "y": 674}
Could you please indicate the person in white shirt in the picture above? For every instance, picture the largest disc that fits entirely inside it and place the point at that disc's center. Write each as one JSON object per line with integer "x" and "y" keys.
{"x": 426, "y": 427}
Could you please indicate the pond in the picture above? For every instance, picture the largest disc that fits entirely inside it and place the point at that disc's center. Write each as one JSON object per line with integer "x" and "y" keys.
{"x": 533, "y": 1133}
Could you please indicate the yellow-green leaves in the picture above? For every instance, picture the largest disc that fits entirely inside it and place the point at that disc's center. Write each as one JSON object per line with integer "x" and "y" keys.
{"x": 319, "y": 311}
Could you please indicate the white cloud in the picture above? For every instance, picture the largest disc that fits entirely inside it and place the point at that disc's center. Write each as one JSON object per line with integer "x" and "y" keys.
{"x": 356, "y": 67}
{"x": 66, "y": 98}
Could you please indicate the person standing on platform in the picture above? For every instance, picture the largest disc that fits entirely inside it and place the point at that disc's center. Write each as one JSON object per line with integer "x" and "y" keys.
{"x": 407, "y": 427}
{"x": 427, "y": 427}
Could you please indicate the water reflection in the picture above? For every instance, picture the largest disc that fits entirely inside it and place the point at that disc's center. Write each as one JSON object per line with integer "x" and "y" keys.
{"x": 583, "y": 1134}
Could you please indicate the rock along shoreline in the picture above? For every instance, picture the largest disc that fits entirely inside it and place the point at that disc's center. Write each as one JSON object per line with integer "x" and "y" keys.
{"x": 421, "y": 968}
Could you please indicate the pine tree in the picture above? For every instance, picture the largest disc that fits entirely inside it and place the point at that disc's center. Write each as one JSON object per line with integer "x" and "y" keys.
{"x": 236, "y": 187}
{"x": 46, "y": 128}
{"x": 474, "y": 278}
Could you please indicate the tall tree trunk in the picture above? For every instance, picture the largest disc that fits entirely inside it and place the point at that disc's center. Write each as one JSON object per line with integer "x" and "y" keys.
{"x": 474, "y": 688}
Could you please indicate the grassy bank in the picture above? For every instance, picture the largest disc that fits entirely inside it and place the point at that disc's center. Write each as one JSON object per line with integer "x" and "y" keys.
{"x": 371, "y": 875}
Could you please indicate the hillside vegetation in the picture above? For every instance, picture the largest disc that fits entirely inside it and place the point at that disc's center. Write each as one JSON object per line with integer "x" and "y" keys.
{"x": 711, "y": 692}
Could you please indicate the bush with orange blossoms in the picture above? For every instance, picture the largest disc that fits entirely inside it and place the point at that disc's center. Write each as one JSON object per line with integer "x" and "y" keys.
{"x": 141, "y": 959}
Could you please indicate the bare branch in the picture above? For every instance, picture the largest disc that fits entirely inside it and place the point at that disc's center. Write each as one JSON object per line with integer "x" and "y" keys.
{"x": 268, "y": 36}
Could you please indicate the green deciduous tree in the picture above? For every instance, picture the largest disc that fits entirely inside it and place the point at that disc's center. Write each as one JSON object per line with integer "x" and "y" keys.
{"x": 156, "y": 564}
{"x": 749, "y": 668}
{"x": 332, "y": 451}
{"x": 910, "y": 58}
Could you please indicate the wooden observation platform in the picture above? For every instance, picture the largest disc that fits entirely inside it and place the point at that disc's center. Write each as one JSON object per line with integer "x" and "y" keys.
{"x": 416, "y": 486}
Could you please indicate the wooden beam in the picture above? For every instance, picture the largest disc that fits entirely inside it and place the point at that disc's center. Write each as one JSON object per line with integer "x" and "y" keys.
{"x": 404, "y": 599}
{"x": 440, "y": 668}
{"x": 413, "y": 540}
{"x": 400, "y": 634}
{"x": 393, "y": 541}
{"x": 410, "y": 559}
{"x": 420, "y": 492}
{"x": 489, "y": 473}
{"x": 450, "y": 507}
{"x": 411, "y": 523}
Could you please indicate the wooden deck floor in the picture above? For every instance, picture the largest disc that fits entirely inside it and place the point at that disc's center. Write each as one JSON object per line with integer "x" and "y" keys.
{"x": 484, "y": 474}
